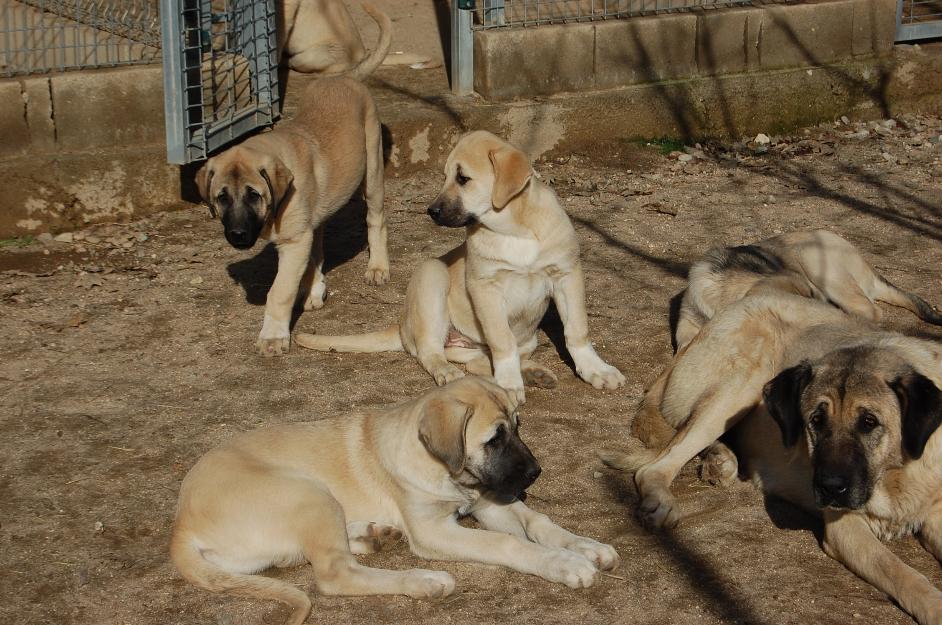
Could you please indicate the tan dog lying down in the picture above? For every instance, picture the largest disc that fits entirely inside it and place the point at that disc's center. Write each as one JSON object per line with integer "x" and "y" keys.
{"x": 834, "y": 415}
{"x": 323, "y": 491}
{"x": 320, "y": 37}
{"x": 817, "y": 264}
{"x": 283, "y": 185}
{"x": 481, "y": 302}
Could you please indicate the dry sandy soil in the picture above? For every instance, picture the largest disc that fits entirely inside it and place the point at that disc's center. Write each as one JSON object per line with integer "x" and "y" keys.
{"x": 127, "y": 358}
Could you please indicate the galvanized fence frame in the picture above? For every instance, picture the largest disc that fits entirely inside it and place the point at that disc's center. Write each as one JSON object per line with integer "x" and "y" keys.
{"x": 918, "y": 19}
{"x": 220, "y": 73}
{"x": 40, "y": 36}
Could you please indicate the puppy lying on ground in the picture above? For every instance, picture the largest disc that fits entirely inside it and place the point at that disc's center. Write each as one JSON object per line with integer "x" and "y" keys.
{"x": 284, "y": 184}
{"x": 319, "y": 37}
{"x": 321, "y": 492}
{"x": 818, "y": 264}
{"x": 836, "y": 416}
{"x": 481, "y": 302}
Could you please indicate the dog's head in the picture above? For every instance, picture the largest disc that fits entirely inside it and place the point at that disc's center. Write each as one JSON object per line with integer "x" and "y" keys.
{"x": 245, "y": 188}
{"x": 863, "y": 411}
{"x": 471, "y": 425}
{"x": 482, "y": 175}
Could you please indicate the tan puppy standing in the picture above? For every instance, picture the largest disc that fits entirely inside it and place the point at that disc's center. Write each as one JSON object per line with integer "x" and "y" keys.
{"x": 834, "y": 415}
{"x": 481, "y": 303}
{"x": 284, "y": 184}
{"x": 323, "y": 491}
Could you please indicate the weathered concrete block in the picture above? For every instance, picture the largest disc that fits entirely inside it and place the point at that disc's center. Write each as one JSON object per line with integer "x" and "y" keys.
{"x": 13, "y": 119}
{"x": 39, "y": 114}
{"x": 721, "y": 42}
{"x": 81, "y": 188}
{"x": 874, "y": 26}
{"x": 533, "y": 61}
{"x": 805, "y": 34}
{"x": 647, "y": 49}
{"x": 119, "y": 107}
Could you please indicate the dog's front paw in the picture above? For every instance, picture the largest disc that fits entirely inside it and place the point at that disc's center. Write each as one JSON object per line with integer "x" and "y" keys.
{"x": 567, "y": 567}
{"x": 377, "y": 275}
{"x": 602, "y": 375}
{"x": 658, "y": 509}
{"x": 425, "y": 584}
{"x": 446, "y": 373}
{"x": 274, "y": 346}
{"x": 720, "y": 466}
{"x": 274, "y": 339}
{"x": 507, "y": 375}
{"x": 603, "y": 556}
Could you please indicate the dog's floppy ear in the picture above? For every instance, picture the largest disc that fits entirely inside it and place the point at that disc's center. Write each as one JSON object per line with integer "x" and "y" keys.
{"x": 279, "y": 179}
{"x": 511, "y": 174}
{"x": 920, "y": 405}
{"x": 204, "y": 178}
{"x": 442, "y": 429}
{"x": 782, "y": 396}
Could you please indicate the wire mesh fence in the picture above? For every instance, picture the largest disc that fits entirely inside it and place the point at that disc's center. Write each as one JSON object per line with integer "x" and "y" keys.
{"x": 220, "y": 73}
{"x": 918, "y": 19}
{"x": 38, "y": 36}
{"x": 508, "y": 13}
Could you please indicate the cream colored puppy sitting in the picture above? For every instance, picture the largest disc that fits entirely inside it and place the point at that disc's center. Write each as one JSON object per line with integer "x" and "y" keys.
{"x": 481, "y": 303}
{"x": 323, "y": 491}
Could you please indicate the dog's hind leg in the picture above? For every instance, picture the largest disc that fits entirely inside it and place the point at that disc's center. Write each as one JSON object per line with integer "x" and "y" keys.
{"x": 716, "y": 411}
{"x": 313, "y": 289}
{"x": 326, "y": 545}
{"x": 425, "y": 321}
{"x": 377, "y": 270}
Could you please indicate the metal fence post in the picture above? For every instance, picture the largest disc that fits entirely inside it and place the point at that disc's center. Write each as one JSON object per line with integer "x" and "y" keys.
{"x": 462, "y": 48}
{"x": 171, "y": 25}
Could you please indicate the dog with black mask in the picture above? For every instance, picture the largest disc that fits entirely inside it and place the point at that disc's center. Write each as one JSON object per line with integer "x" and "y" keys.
{"x": 823, "y": 409}
{"x": 323, "y": 491}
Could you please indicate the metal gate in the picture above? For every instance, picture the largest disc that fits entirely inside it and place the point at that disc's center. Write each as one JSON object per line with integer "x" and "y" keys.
{"x": 918, "y": 19}
{"x": 220, "y": 73}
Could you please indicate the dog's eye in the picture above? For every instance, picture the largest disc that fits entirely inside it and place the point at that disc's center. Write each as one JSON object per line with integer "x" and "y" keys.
{"x": 868, "y": 422}
{"x": 498, "y": 435}
{"x": 252, "y": 195}
{"x": 819, "y": 416}
{"x": 222, "y": 197}
{"x": 461, "y": 179}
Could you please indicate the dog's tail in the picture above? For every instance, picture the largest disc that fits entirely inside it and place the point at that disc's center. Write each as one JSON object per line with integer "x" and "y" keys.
{"x": 375, "y": 58}
{"x": 189, "y": 560}
{"x": 889, "y": 293}
{"x": 635, "y": 456}
{"x": 387, "y": 340}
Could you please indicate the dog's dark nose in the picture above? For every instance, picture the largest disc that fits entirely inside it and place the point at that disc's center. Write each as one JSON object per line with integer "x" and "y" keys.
{"x": 239, "y": 237}
{"x": 832, "y": 485}
{"x": 533, "y": 473}
{"x": 434, "y": 211}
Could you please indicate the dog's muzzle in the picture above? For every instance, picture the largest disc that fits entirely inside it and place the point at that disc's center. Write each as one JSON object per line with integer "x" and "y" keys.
{"x": 241, "y": 232}
{"x": 449, "y": 213}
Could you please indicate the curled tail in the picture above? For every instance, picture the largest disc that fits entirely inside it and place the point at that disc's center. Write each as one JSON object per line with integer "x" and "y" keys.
{"x": 376, "y": 57}
{"x": 387, "y": 340}
{"x": 189, "y": 560}
{"x": 893, "y": 295}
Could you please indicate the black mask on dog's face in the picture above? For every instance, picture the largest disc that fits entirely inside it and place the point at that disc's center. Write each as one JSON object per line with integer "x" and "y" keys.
{"x": 508, "y": 466}
{"x": 241, "y": 219}
{"x": 449, "y": 212}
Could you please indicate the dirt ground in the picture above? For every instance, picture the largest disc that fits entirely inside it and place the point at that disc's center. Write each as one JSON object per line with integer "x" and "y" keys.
{"x": 129, "y": 353}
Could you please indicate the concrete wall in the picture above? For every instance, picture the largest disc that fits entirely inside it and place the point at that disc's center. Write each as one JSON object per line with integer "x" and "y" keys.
{"x": 547, "y": 60}
{"x": 83, "y": 146}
